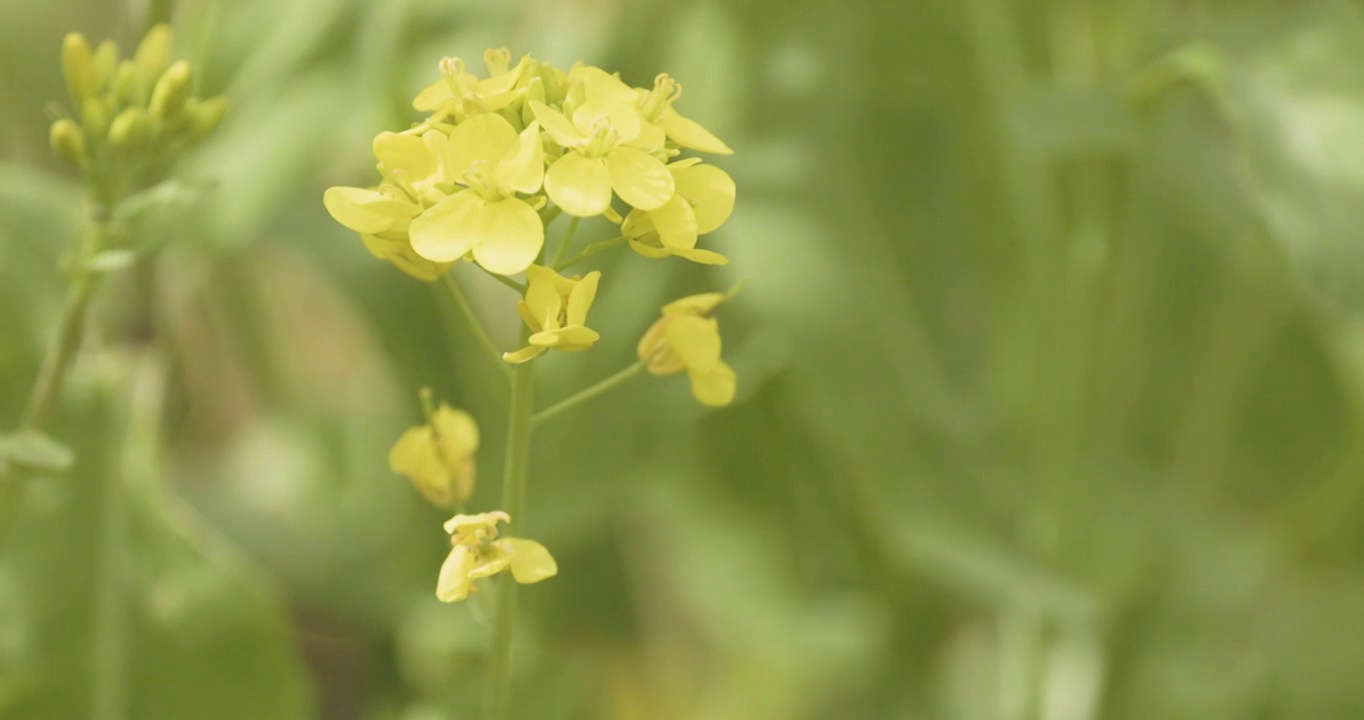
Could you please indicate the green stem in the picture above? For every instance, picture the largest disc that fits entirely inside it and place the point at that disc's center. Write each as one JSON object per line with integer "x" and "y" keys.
{"x": 518, "y": 287}
{"x": 566, "y": 241}
{"x": 468, "y": 311}
{"x": 52, "y": 373}
{"x": 590, "y": 250}
{"x": 583, "y": 396}
{"x": 513, "y": 503}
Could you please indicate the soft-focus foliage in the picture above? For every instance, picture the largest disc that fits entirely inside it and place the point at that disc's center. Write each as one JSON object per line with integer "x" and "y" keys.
{"x": 1052, "y": 354}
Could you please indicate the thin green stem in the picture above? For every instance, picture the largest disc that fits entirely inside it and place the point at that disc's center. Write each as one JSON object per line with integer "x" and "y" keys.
{"x": 52, "y": 373}
{"x": 566, "y": 241}
{"x": 586, "y": 394}
{"x": 518, "y": 287}
{"x": 513, "y": 503}
{"x": 590, "y": 250}
{"x": 468, "y": 311}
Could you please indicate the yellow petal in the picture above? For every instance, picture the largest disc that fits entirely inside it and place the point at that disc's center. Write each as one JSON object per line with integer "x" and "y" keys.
{"x": 530, "y": 561}
{"x": 454, "y": 582}
{"x": 525, "y": 354}
{"x": 448, "y": 230}
{"x": 639, "y": 179}
{"x": 580, "y": 299}
{"x": 365, "y": 211}
{"x": 494, "y": 561}
{"x": 602, "y": 86}
{"x": 696, "y": 340}
{"x": 380, "y": 247}
{"x": 482, "y": 137}
{"x": 703, "y": 304}
{"x": 710, "y": 191}
{"x": 651, "y": 138}
{"x": 523, "y": 167}
{"x": 704, "y": 257}
{"x": 649, "y": 251}
{"x": 689, "y": 134}
{"x": 510, "y": 236}
{"x": 574, "y": 337}
{"x": 407, "y": 154}
{"x": 543, "y": 300}
{"x": 623, "y": 118}
{"x": 675, "y": 223}
{"x": 432, "y": 96}
{"x": 578, "y": 184}
{"x": 456, "y": 434}
{"x": 558, "y": 126}
{"x": 714, "y": 386}
{"x": 407, "y": 260}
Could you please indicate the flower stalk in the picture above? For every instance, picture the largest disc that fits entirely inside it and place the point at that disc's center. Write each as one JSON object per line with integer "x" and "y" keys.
{"x": 588, "y": 393}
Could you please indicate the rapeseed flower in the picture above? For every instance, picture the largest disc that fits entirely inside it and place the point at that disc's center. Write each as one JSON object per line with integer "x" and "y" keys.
{"x": 702, "y": 203}
{"x": 477, "y": 553}
{"x": 555, "y": 309}
{"x": 438, "y": 457}
{"x": 687, "y": 339}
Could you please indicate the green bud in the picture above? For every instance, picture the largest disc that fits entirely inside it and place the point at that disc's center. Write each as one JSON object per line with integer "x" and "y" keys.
{"x": 153, "y": 55}
{"x": 131, "y": 131}
{"x": 206, "y": 116}
{"x": 535, "y": 90}
{"x": 171, "y": 91}
{"x": 106, "y": 61}
{"x": 126, "y": 90}
{"x": 78, "y": 65}
{"x": 94, "y": 117}
{"x": 67, "y": 141}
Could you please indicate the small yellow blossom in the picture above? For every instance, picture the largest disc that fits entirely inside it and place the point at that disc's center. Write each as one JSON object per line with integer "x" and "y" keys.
{"x": 555, "y": 309}
{"x": 476, "y": 553}
{"x": 657, "y": 107}
{"x": 607, "y": 146}
{"x": 704, "y": 201}
{"x": 503, "y": 232}
{"x": 438, "y": 457}
{"x": 687, "y": 338}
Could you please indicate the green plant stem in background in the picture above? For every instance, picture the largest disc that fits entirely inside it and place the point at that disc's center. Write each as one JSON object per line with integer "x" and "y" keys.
{"x": 567, "y": 241}
{"x": 52, "y": 373}
{"x": 513, "y": 503}
{"x": 518, "y": 287}
{"x": 586, "y": 394}
{"x": 590, "y": 250}
{"x": 468, "y": 311}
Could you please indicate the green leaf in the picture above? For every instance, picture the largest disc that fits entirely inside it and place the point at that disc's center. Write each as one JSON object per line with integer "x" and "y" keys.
{"x": 35, "y": 451}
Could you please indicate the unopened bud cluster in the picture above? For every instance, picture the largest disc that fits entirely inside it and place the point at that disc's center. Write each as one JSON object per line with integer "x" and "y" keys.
{"x": 129, "y": 112}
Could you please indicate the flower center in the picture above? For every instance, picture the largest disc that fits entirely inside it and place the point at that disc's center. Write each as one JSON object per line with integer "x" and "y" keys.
{"x": 480, "y": 180}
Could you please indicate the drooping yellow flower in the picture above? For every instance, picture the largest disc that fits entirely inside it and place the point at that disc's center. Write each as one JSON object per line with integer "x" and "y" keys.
{"x": 607, "y": 146}
{"x": 503, "y": 232}
{"x": 438, "y": 457}
{"x": 687, "y": 338}
{"x": 657, "y": 108}
{"x": 476, "y": 553}
{"x": 703, "y": 202}
{"x": 555, "y": 309}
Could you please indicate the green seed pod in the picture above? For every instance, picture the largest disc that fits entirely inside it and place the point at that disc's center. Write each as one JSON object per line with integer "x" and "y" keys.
{"x": 171, "y": 91}
{"x": 94, "y": 117}
{"x": 153, "y": 55}
{"x": 67, "y": 141}
{"x": 206, "y": 116}
{"x": 131, "y": 131}
{"x": 106, "y": 62}
{"x": 78, "y": 65}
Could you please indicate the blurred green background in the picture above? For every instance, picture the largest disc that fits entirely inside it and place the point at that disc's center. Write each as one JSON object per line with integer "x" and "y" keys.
{"x": 1051, "y": 363}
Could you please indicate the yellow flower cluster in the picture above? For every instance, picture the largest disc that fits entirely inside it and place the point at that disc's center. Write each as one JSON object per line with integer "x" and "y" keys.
{"x": 478, "y": 177}
{"x": 129, "y": 113}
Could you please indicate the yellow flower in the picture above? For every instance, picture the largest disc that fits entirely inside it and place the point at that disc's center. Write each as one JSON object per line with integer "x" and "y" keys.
{"x": 460, "y": 94}
{"x": 555, "y": 309}
{"x": 438, "y": 457}
{"x": 607, "y": 146}
{"x": 657, "y": 108}
{"x": 477, "y": 553}
{"x": 382, "y": 217}
{"x": 704, "y": 200}
{"x": 503, "y": 232}
{"x": 687, "y": 339}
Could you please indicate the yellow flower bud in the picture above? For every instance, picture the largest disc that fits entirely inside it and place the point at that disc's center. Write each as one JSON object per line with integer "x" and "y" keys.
{"x": 78, "y": 65}
{"x": 131, "y": 131}
{"x": 94, "y": 118}
{"x": 106, "y": 62}
{"x": 206, "y": 116}
{"x": 67, "y": 141}
{"x": 171, "y": 91}
{"x": 125, "y": 87}
{"x": 153, "y": 55}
